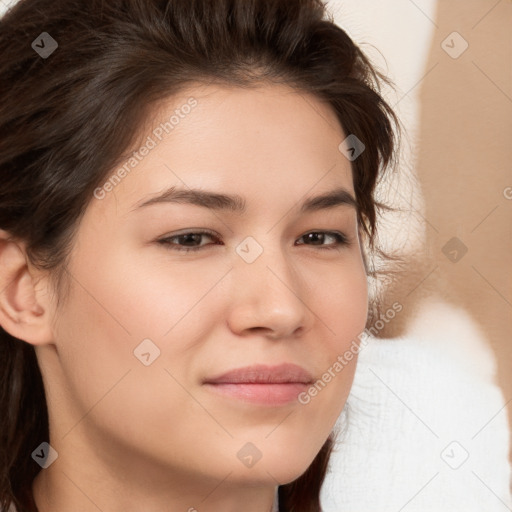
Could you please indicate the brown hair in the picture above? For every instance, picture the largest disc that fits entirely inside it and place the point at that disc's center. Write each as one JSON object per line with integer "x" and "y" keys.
{"x": 67, "y": 119}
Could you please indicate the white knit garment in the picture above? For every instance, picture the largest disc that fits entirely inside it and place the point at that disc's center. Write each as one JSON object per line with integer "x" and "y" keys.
{"x": 427, "y": 424}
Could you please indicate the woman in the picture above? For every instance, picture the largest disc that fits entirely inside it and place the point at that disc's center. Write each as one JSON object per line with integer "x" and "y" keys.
{"x": 186, "y": 217}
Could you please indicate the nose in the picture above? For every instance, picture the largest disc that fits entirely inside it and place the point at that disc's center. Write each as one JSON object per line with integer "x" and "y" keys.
{"x": 269, "y": 296}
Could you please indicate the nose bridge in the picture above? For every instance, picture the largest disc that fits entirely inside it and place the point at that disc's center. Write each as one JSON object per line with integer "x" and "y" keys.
{"x": 267, "y": 261}
{"x": 268, "y": 290}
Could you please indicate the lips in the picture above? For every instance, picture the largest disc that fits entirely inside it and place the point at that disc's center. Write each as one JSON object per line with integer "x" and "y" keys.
{"x": 268, "y": 386}
{"x": 263, "y": 374}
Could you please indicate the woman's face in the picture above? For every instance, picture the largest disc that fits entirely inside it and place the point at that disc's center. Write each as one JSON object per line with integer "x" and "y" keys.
{"x": 134, "y": 377}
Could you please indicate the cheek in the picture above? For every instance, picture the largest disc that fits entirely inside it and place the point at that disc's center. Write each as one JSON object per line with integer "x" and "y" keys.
{"x": 94, "y": 340}
{"x": 341, "y": 302}
{"x": 344, "y": 309}
{"x": 114, "y": 308}
{"x": 129, "y": 298}
{"x": 116, "y": 305}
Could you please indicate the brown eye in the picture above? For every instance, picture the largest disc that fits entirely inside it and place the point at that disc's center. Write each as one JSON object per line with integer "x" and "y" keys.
{"x": 318, "y": 237}
{"x": 188, "y": 239}
{"x": 191, "y": 240}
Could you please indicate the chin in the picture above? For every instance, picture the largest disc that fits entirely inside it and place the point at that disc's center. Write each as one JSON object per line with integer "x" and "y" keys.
{"x": 277, "y": 468}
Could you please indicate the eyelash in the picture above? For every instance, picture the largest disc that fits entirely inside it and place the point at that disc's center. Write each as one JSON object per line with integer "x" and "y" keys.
{"x": 342, "y": 241}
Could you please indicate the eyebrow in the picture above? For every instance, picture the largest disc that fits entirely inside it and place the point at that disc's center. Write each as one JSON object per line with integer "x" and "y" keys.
{"x": 237, "y": 204}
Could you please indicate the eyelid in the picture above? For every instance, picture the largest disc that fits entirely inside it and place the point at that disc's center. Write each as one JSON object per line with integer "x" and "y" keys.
{"x": 343, "y": 240}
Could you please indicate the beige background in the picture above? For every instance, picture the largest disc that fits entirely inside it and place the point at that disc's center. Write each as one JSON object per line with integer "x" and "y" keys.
{"x": 456, "y": 177}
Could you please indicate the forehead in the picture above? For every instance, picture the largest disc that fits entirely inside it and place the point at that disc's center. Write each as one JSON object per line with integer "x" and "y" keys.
{"x": 269, "y": 140}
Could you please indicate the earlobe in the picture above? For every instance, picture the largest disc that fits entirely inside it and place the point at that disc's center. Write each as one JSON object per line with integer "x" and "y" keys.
{"x": 22, "y": 312}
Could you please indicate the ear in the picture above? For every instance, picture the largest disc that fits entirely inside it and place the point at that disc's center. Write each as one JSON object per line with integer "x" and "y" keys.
{"x": 25, "y": 310}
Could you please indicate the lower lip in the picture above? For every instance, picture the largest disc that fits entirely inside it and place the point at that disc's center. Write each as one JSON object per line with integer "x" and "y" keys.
{"x": 264, "y": 394}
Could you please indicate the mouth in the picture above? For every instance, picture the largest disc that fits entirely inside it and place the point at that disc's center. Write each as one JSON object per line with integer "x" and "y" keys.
{"x": 261, "y": 384}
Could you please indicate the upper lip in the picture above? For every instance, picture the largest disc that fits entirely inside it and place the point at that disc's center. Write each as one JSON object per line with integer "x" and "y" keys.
{"x": 264, "y": 374}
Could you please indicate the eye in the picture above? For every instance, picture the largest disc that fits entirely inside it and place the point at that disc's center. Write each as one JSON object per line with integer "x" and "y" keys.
{"x": 320, "y": 236}
{"x": 186, "y": 238}
{"x": 190, "y": 238}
